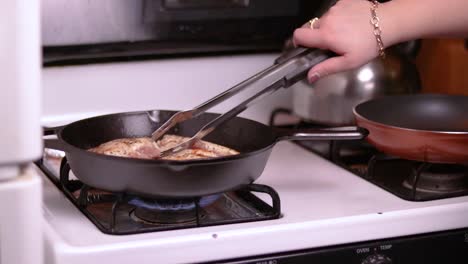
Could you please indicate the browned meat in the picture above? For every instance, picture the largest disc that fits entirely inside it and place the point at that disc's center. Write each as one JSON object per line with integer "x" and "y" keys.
{"x": 145, "y": 148}
{"x": 201, "y": 149}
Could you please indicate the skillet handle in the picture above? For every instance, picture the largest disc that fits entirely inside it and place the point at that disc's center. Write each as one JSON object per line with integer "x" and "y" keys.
{"x": 336, "y": 133}
{"x": 50, "y": 138}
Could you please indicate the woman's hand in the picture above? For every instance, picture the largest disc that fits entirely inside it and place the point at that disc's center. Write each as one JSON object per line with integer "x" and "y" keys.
{"x": 346, "y": 30}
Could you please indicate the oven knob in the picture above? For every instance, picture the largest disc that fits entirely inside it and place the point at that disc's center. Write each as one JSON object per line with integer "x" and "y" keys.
{"x": 377, "y": 259}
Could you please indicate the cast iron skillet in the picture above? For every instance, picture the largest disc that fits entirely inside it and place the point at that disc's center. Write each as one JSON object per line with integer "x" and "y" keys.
{"x": 174, "y": 179}
{"x": 429, "y": 128}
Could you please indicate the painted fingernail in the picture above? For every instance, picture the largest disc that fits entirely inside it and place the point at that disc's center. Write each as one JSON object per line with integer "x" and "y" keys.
{"x": 314, "y": 77}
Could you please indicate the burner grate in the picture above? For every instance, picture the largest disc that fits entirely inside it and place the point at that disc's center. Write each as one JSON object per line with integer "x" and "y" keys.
{"x": 417, "y": 181}
{"x": 123, "y": 213}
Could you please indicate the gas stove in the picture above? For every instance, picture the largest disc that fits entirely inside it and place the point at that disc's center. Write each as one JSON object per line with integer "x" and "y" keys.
{"x": 318, "y": 210}
{"x": 305, "y": 207}
{"x": 407, "y": 179}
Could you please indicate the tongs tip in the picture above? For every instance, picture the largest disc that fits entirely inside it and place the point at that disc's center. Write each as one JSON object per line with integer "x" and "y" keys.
{"x": 171, "y": 122}
{"x": 157, "y": 134}
{"x": 181, "y": 147}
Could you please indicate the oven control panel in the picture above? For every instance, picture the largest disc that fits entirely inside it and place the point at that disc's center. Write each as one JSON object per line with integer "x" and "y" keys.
{"x": 444, "y": 247}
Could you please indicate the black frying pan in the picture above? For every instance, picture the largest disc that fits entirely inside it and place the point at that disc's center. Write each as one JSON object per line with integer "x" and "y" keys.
{"x": 429, "y": 128}
{"x": 177, "y": 179}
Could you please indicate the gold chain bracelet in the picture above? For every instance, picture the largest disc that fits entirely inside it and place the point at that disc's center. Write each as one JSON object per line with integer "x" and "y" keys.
{"x": 377, "y": 31}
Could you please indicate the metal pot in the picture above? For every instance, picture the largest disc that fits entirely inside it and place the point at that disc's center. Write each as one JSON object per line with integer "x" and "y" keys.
{"x": 331, "y": 99}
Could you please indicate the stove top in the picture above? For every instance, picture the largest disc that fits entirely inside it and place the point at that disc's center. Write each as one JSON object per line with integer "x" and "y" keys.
{"x": 321, "y": 205}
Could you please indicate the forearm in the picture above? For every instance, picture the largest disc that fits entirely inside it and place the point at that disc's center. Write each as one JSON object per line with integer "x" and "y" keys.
{"x": 403, "y": 20}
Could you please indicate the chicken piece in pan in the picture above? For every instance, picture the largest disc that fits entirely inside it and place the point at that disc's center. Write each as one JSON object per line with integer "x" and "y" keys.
{"x": 142, "y": 148}
{"x": 146, "y": 148}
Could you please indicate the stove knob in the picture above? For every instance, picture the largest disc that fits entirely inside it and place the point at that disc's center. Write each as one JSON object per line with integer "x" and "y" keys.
{"x": 377, "y": 259}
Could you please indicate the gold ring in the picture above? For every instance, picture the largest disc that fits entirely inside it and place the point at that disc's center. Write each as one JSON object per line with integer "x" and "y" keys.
{"x": 314, "y": 23}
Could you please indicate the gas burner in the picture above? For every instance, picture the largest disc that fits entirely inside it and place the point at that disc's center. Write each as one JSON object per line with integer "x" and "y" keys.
{"x": 169, "y": 211}
{"x": 122, "y": 213}
{"x": 417, "y": 181}
{"x": 439, "y": 179}
{"x": 151, "y": 217}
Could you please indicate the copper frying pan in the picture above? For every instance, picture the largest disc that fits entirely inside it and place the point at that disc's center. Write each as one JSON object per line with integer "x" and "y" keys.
{"x": 425, "y": 127}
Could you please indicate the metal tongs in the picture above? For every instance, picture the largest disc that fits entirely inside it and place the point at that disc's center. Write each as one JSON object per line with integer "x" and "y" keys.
{"x": 287, "y": 70}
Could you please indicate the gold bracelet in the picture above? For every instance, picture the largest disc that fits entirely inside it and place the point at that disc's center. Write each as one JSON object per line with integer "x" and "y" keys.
{"x": 377, "y": 31}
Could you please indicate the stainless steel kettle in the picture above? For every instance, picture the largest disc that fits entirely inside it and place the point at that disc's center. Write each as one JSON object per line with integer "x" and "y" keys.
{"x": 331, "y": 100}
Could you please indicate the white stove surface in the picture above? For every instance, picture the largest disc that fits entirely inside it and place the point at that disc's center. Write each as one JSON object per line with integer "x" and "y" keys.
{"x": 321, "y": 203}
